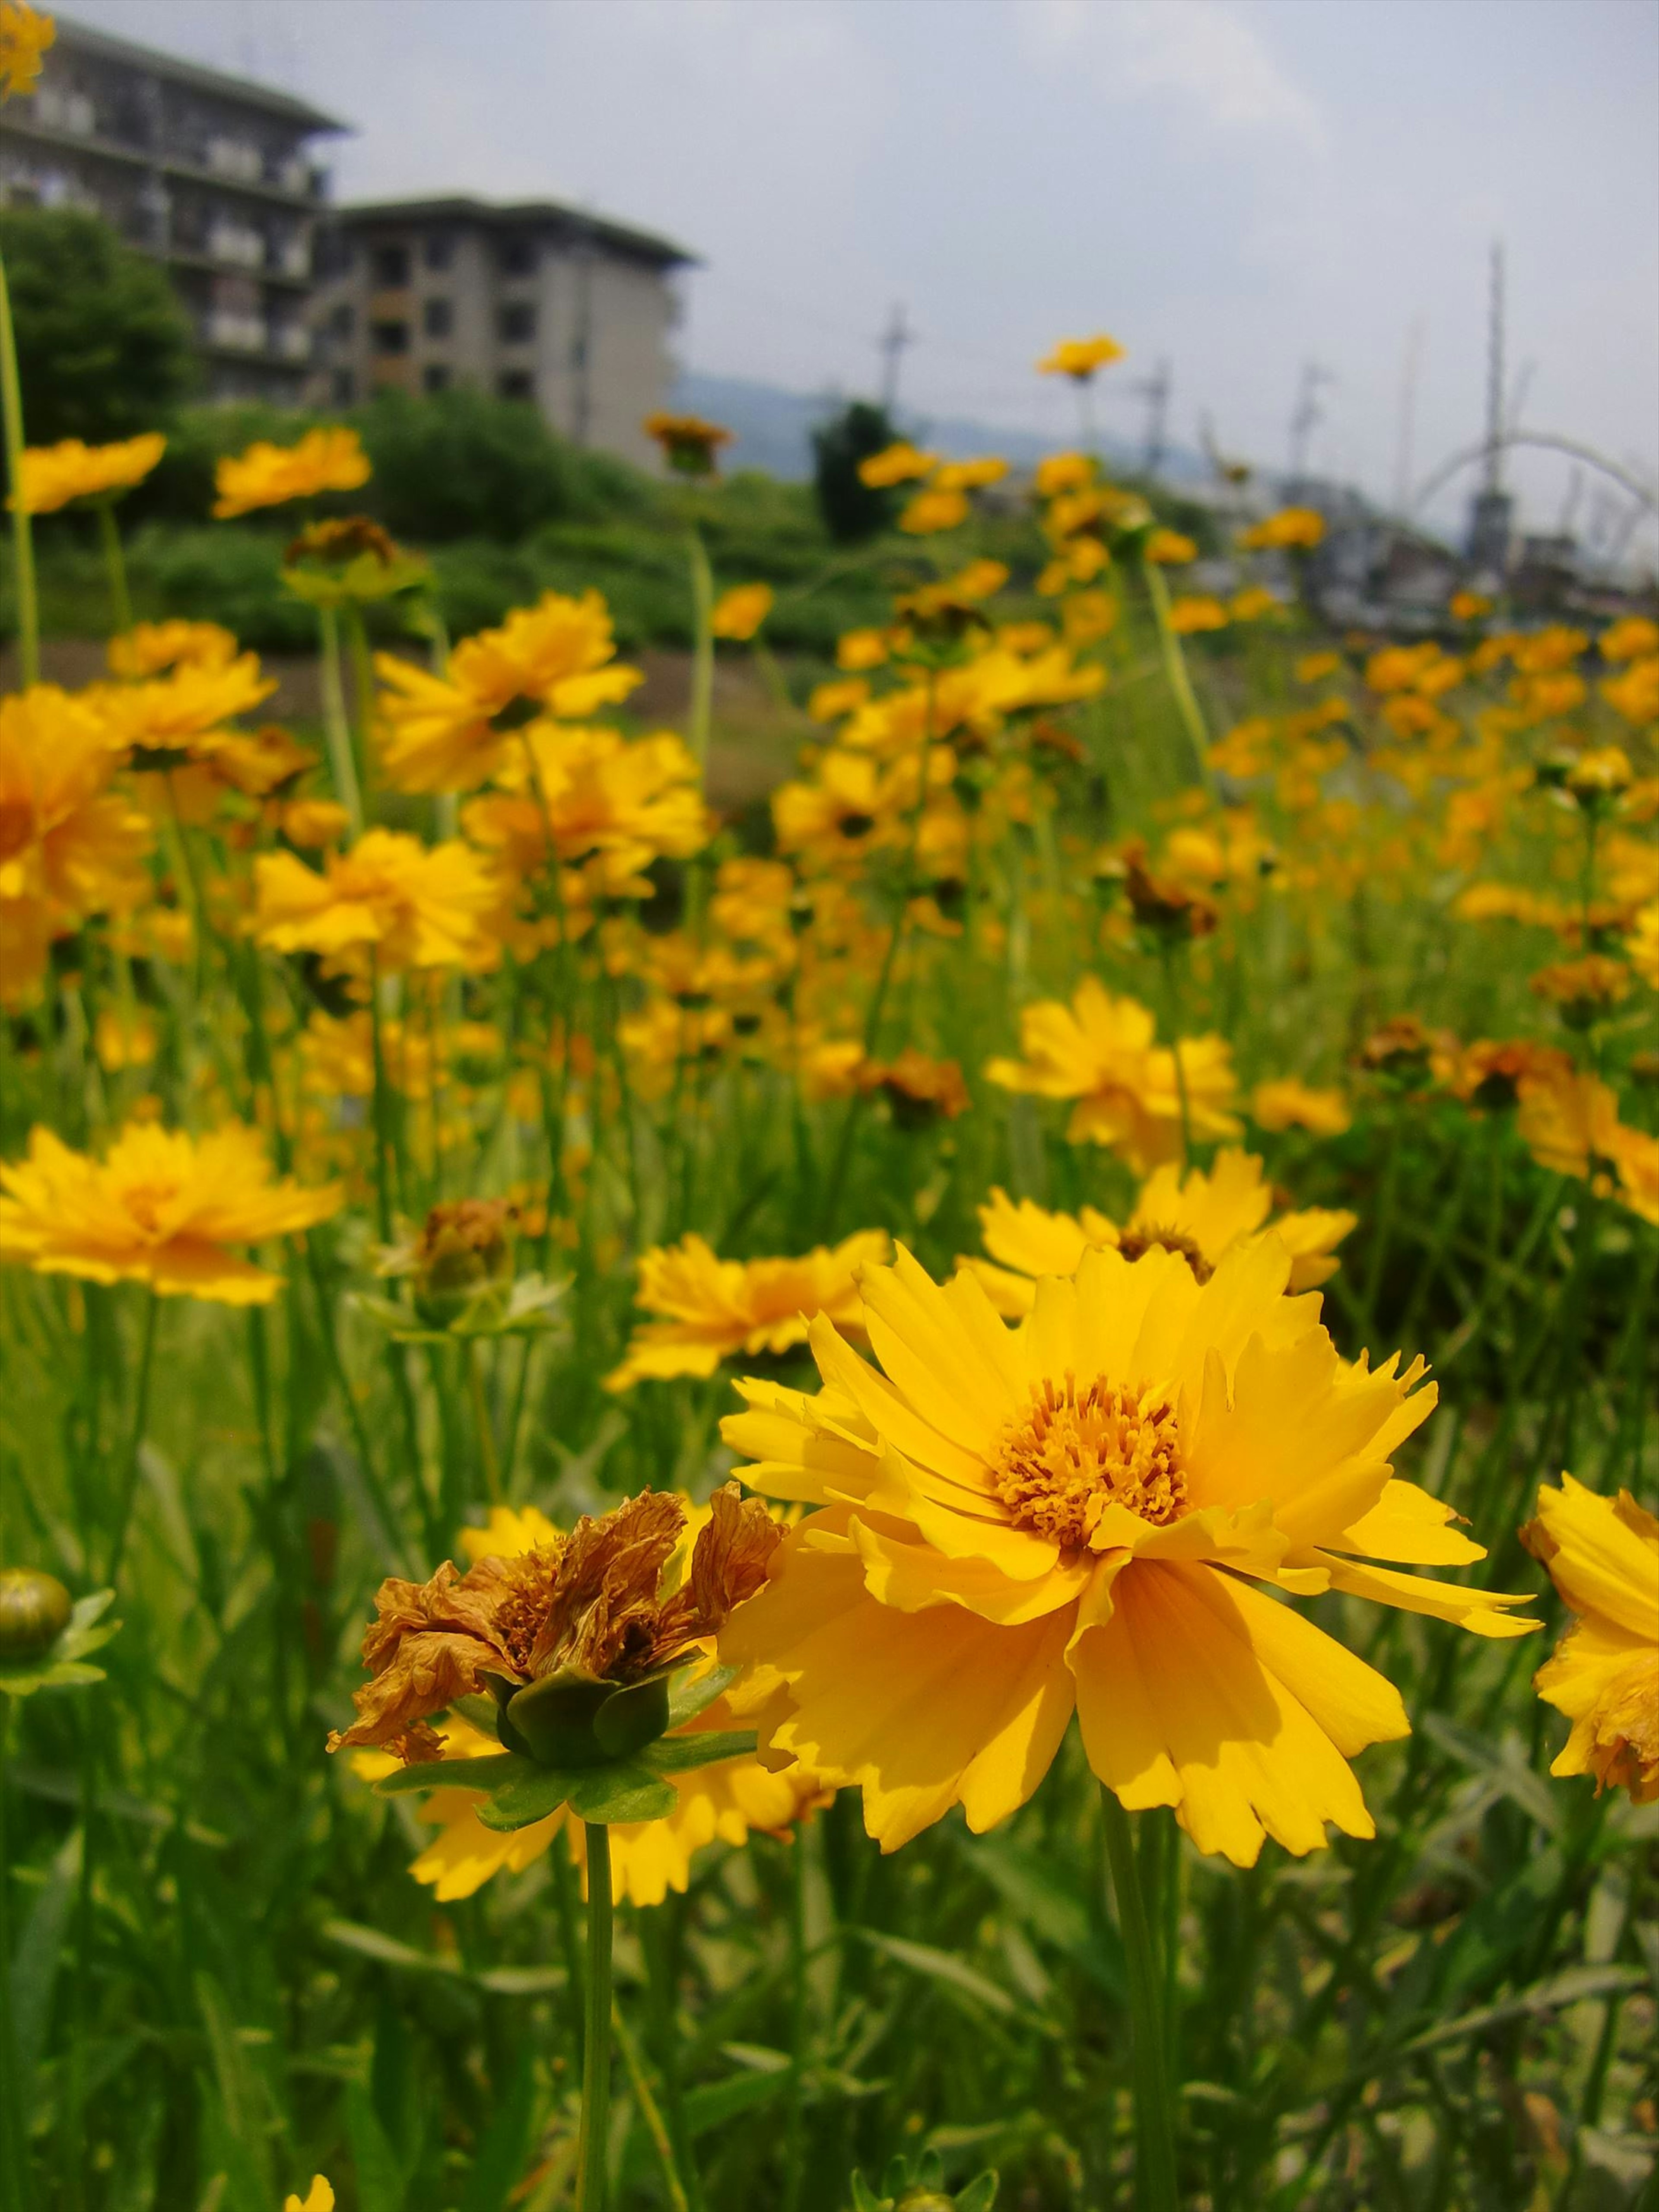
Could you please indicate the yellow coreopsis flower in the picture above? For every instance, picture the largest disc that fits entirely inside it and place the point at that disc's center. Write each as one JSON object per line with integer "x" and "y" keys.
{"x": 320, "y": 2197}
{"x": 1632, "y": 637}
{"x": 1091, "y": 1511}
{"x": 1287, "y": 1102}
{"x": 269, "y": 476}
{"x": 740, "y": 612}
{"x": 70, "y": 845}
{"x": 712, "y": 1308}
{"x": 933, "y": 510}
{"x": 1101, "y": 1051}
{"x": 629, "y": 801}
{"x": 976, "y": 474}
{"x": 689, "y": 445}
{"x": 1202, "y": 1214}
{"x": 1080, "y": 358}
{"x": 413, "y": 906}
{"x": 151, "y": 648}
{"x": 454, "y": 731}
{"x": 901, "y": 463}
{"x": 1302, "y": 527}
{"x": 161, "y": 1208}
{"x": 25, "y": 35}
{"x": 1169, "y": 548}
{"x": 1195, "y": 613}
{"x": 52, "y": 476}
{"x": 1603, "y": 1557}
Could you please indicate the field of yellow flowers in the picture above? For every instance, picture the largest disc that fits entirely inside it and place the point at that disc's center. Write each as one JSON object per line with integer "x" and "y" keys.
{"x": 936, "y": 1500}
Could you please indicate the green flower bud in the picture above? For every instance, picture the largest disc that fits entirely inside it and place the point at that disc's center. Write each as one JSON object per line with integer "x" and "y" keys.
{"x": 34, "y": 1611}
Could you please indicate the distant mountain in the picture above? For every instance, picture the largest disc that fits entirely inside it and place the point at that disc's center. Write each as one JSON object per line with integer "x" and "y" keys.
{"x": 773, "y": 429}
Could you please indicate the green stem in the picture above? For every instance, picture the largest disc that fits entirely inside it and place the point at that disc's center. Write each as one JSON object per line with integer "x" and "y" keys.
{"x": 382, "y": 1108}
{"x": 794, "y": 2134}
{"x": 703, "y": 649}
{"x": 337, "y": 730}
{"x": 140, "y": 1419}
{"x": 1175, "y": 671}
{"x": 650, "y": 2112}
{"x": 22, "y": 541}
{"x": 13, "y": 2182}
{"x": 487, "y": 1453}
{"x": 119, "y": 597}
{"x": 1155, "y": 2159}
{"x": 596, "y": 2039}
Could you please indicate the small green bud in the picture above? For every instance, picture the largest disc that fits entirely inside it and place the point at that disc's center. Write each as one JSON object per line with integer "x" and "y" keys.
{"x": 34, "y": 1611}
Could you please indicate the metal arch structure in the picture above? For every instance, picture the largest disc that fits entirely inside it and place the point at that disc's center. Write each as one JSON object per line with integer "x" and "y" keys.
{"x": 1551, "y": 443}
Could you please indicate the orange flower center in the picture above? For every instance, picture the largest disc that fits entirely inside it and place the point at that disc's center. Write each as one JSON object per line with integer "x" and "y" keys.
{"x": 1079, "y": 1450}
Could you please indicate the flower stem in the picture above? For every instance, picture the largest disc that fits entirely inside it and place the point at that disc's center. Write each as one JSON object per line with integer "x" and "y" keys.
{"x": 14, "y": 2185}
{"x": 1176, "y": 673}
{"x": 120, "y": 599}
{"x": 596, "y": 2039}
{"x": 487, "y": 1453}
{"x": 23, "y": 543}
{"x": 703, "y": 649}
{"x": 337, "y": 730}
{"x": 1155, "y": 2160}
{"x": 140, "y": 1419}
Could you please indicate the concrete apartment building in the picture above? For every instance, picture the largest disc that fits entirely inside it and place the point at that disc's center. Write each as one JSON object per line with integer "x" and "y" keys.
{"x": 532, "y": 300}
{"x": 212, "y": 175}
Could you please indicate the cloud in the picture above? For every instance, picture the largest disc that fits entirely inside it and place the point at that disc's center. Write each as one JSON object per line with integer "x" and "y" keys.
{"x": 1203, "y": 52}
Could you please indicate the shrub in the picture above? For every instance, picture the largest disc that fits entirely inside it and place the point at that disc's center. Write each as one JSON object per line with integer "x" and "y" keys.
{"x": 851, "y": 508}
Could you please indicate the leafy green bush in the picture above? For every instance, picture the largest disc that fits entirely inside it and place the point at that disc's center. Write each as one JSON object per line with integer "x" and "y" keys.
{"x": 852, "y": 509}
{"x": 104, "y": 349}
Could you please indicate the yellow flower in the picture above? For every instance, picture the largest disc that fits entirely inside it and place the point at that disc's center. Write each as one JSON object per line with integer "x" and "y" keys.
{"x": 318, "y": 2198}
{"x": 416, "y": 908}
{"x": 740, "y": 612}
{"x": 629, "y": 801}
{"x": 1570, "y": 1122}
{"x": 1302, "y": 526}
{"x": 159, "y": 1208}
{"x": 1079, "y": 358}
{"x": 69, "y": 846}
{"x": 1088, "y": 1512}
{"x": 1632, "y": 637}
{"x": 970, "y": 476}
{"x": 1057, "y": 473}
{"x": 25, "y": 34}
{"x": 123, "y": 1038}
{"x": 314, "y": 823}
{"x": 52, "y": 476}
{"x": 1315, "y": 667}
{"x": 712, "y": 1308}
{"x": 895, "y": 464}
{"x": 1469, "y": 606}
{"x": 271, "y": 475}
{"x": 185, "y": 711}
{"x": 1201, "y": 1215}
{"x": 1101, "y": 1051}
{"x": 1290, "y": 1103}
{"x": 862, "y": 649}
{"x": 1169, "y": 548}
{"x": 1603, "y": 1557}
{"x": 453, "y": 732}
{"x": 151, "y": 648}
{"x": 931, "y": 511}
{"x": 1254, "y": 604}
{"x": 1193, "y": 613}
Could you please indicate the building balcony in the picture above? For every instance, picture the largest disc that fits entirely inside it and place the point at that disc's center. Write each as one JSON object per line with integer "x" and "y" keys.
{"x": 304, "y": 188}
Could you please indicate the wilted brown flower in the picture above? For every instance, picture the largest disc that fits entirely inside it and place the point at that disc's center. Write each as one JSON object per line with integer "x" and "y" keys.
{"x": 1491, "y": 1075}
{"x": 918, "y": 1089}
{"x": 1164, "y": 904}
{"x": 588, "y": 1607}
{"x": 1582, "y": 990}
{"x": 1401, "y": 1048}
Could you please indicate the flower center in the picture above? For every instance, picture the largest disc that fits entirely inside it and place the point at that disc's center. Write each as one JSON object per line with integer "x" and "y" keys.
{"x": 1079, "y": 1450}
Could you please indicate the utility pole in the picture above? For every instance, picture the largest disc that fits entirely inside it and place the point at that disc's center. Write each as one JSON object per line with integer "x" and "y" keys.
{"x": 891, "y": 345}
{"x": 1155, "y": 390}
{"x": 1305, "y": 421}
{"x": 1491, "y": 512}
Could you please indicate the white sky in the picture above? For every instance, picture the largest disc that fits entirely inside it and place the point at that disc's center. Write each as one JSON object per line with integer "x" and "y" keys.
{"x": 1240, "y": 186}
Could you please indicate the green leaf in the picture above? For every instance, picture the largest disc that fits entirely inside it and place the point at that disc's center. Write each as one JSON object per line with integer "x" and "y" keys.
{"x": 945, "y": 1967}
{"x": 526, "y": 1793}
{"x": 62, "y": 1664}
{"x": 379, "y": 2177}
{"x": 39, "y": 1951}
{"x": 981, "y": 2194}
{"x": 716, "y": 2102}
{"x": 625, "y": 1791}
{"x": 487, "y": 1771}
{"x": 693, "y": 1693}
{"x": 504, "y": 2152}
{"x": 680, "y": 1754}
{"x": 483, "y": 1712}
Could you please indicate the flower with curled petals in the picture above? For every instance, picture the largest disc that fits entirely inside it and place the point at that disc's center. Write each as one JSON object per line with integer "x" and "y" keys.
{"x": 1603, "y": 1557}
{"x": 1102, "y": 1512}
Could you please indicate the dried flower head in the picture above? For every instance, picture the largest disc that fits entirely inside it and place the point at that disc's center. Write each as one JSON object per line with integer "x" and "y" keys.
{"x": 558, "y": 1632}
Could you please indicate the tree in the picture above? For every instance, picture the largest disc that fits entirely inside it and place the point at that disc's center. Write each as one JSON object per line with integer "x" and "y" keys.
{"x": 851, "y": 508}
{"x": 104, "y": 349}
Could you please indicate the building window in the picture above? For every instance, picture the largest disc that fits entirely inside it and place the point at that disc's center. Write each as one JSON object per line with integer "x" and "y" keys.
{"x": 516, "y": 383}
{"x": 516, "y": 256}
{"x": 515, "y": 324}
{"x": 391, "y": 264}
{"x": 439, "y": 250}
{"x": 341, "y": 320}
{"x": 391, "y": 337}
{"x": 344, "y": 387}
{"x": 438, "y": 318}
{"x": 434, "y": 377}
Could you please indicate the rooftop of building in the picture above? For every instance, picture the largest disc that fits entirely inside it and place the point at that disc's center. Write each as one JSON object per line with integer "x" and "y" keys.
{"x": 82, "y": 39}
{"x": 519, "y": 214}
